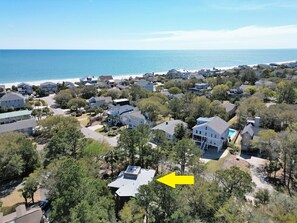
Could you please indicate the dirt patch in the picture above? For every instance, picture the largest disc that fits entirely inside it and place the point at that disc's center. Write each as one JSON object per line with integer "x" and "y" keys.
{"x": 234, "y": 161}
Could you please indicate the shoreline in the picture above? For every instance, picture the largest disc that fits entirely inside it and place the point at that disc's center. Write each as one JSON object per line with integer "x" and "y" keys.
{"x": 120, "y": 77}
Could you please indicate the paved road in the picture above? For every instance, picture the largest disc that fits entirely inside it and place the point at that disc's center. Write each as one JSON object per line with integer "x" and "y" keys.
{"x": 99, "y": 137}
{"x": 53, "y": 106}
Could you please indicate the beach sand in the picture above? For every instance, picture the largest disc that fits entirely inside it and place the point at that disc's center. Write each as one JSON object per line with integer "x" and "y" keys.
{"x": 121, "y": 77}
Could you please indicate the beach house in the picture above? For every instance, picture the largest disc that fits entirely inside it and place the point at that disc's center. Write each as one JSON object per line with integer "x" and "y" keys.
{"x": 145, "y": 84}
{"x": 90, "y": 80}
{"x": 230, "y": 108}
{"x": 211, "y": 133}
{"x": 2, "y": 90}
{"x": 249, "y": 132}
{"x": 168, "y": 128}
{"x": 98, "y": 101}
{"x": 49, "y": 87}
{"x": 18, "y": 121}
{"x": 106, "y": 81}
{"x": 127, "y": 183}
{"x": 12, "y": 100}
{"x": 25, "y": 89}
{"x": 133, "y": 119}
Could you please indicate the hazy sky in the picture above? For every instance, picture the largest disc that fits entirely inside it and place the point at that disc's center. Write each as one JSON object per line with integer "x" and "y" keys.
{"x": 148, "y": 24}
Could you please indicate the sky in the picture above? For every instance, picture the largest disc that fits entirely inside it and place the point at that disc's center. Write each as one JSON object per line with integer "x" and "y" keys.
{"x": 148, "y": 24}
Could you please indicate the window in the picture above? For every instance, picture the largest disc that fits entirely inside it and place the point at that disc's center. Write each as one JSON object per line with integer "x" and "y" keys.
{"x": 196, "y": 131}
{"x": 211, "y": 134}
{"x": 206, "y": 133}
{"x": 206, "y": 128}
{"x": 215, "y": 136}
{"x": 200, "y": 132}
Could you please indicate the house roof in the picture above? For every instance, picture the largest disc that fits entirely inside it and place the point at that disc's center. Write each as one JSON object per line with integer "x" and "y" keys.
{"x": 23, "y": 84}
{"x": 107, "y": 99}
{"x": 48, "y": 83}
{"x": 169, "y": 126}
{"x": 142, "y": 83}
{"x": 12, "y": 96}
{"x": 228, "y": 106}
{"x": 19, "y": 125}
{"x": 216, "y": 123}
{"x": 130, "y": 180}
{"x": 248, "y": 129}
{"x": 134, "y": 114}
{"x": 105, "y": 78}
{"x": 15, "y": 114}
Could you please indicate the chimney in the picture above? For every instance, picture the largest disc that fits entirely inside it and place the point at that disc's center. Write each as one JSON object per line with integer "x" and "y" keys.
{"x": 257, "y": 122}
{"x": 20, "y": 210}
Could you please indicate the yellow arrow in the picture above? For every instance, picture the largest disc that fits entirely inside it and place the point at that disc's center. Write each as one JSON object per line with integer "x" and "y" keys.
{"x": 171, "y": 179}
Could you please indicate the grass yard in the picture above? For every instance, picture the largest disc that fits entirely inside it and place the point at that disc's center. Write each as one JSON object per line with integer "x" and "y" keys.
{"x": 233, "y": 120}
{"x": 83, "y": 119}
{"x": 213, "y": 165}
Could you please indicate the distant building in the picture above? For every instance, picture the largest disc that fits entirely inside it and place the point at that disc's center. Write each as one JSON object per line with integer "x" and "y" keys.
{"x": 2, "y": 90}
{"x": 133, "y": 119}
{"x": 128, "y": 182}
{"x": 211, "y": 133}
{"x": 98, "y": 101}
{"x": 21, "y": 215}
{"x": 199, "y": 87}
{"x": 168, "y": 128}
{"x": 182, "y": 73}
{"x": 25, "y": 89}
{"x": 89, "y": 80}
{"x": 12, "y": 100}
{"x": 264, "y": 82}
{"x": 49, "y": 87}
{"x": 70, "y": 85}
{"x": 106, "y": 81}
{"x": 19, "y": 121}
{"x": 145, "y": 84}
{"x": 234, "y": 92}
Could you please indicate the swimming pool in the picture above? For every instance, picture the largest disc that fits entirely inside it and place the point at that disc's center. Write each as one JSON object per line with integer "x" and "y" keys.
{"x": 231, "y": 133}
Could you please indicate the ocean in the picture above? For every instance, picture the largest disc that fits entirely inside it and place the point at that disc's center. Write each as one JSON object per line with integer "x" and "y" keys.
{"x": 36, "y": 65}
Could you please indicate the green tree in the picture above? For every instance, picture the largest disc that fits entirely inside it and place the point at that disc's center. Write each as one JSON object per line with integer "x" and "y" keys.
{"x": 77, "y": 103}
{"x": 180, "y": 131}
{"x": 88, "y": 92}
{"x": 174, "y": 90}
{"x": 219, "y": 92}
{"x": 63, "y": 97}
{"x": 230, "y": 212}
{"x": 132, "y": 213}
{"x": 235, "y": 182}
{"x": 262, "y": 197}
{"x": 248, "y": 76}
{"x": 184, "y": 150}
{"x": 30, "y": 186}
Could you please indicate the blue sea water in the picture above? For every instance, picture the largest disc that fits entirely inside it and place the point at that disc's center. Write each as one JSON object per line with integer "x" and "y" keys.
{"x": 34, "y": 65}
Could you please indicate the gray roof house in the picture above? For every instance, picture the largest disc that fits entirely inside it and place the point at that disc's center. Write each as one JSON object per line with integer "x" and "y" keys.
{"x": 89, "y": 80}
{"x": 230, "y": 108}
{"x": 70, "y": 85}
{"x": 106, "y": 81}
{"x": 169, "y": 128}
{"x": 98, "y": 101}
{"x": 23, "y": 215}
{"x": 25, "y": 89}
{"x": 145, "y": 84}
{"x": 249, "y": 132}
{"x": 2, "y": 90}
{"x": 12, "y": 99}
{"x": 133, "y": 119}
{"x": 128, "y": 181}
{"x": 9, "y": 117}
{"x": 211, "y": 133}
{"x": 25, "y": 126}
{"x": 49, "y": 87}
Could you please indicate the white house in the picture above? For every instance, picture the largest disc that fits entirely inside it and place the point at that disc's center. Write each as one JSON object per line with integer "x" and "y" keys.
{"x": 25, "y": 89}
{"x": 14, "y": 100}
{"x": 169, "y": 128}
{"x": 129, "y": 181}
{"x": 92, "y": 80}
{"x": 211, "y": 132}
{"x": 49, "y": 87}
{"x": 133, "y": 119}
{"x": 145, "y": 84}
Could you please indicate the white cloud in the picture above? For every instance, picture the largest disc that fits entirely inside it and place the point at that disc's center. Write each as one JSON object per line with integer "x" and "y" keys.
{"x": 250, "y": 37}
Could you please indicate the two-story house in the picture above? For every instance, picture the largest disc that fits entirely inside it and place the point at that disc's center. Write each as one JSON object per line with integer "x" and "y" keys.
{"x": 133, "y": 119}
{"x": 91, "y": 80}
{"x": 106, "y": 81}
{"x": 49, "y": 87}
{"x": 12, "y": 100}
{"x": 211, "y": 133}
{"x": 25, "y": 89}
{"x": 98, "y": 101}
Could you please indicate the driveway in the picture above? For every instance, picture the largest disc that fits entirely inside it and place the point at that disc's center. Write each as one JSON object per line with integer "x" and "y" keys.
{"x": 257, "y": 171}
{"x": 99, "y": 137}
{"x": 53, "y": 106}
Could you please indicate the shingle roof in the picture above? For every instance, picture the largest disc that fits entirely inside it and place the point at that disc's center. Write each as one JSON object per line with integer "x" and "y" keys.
{"x": 134, "y": 114}
{"x": 248, "y": 129}
{"x": 169, "y": 126}
{"x": 128, "y": 186}
{"x": 228, "y": 106}
{"x": 48, "y": 83}
{"x": 216, "y": 123}
{"x": 15, "y": 114}
{"x": 12, "y": 96}
{"x": 105, "y": 78}
{"x": 19, "y": 125}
